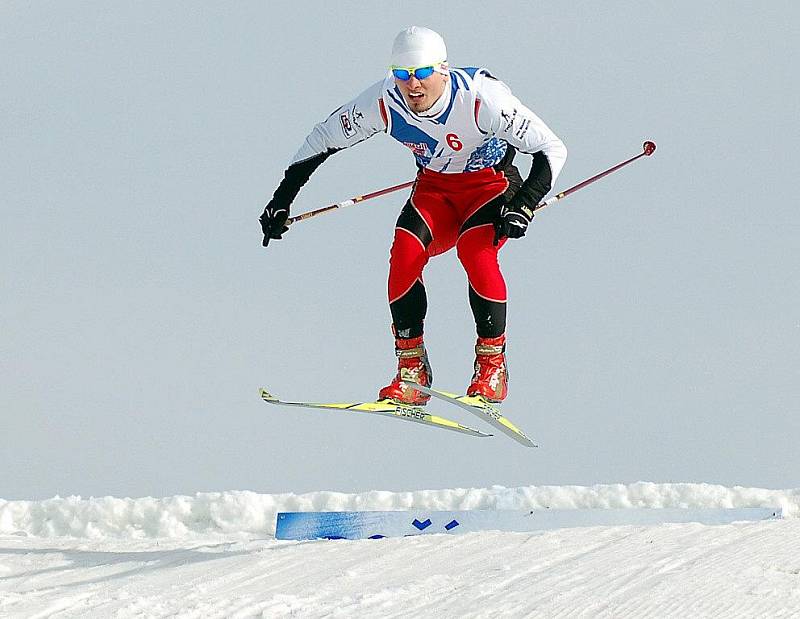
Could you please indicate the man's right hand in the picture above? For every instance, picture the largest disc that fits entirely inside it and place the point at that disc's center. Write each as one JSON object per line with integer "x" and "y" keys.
{"x": 273, "y": 220}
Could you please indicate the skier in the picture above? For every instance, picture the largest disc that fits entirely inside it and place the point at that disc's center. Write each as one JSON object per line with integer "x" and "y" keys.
{"x": 464, "y": 127}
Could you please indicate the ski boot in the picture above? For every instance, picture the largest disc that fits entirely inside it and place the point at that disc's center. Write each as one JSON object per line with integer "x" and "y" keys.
{"x": 412, "y": 364}
{"x": 491, "y": 375}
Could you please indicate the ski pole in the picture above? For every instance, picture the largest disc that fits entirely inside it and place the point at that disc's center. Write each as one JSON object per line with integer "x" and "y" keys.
{"x": 349, "y": 202}
{"x": 649, "y": 147}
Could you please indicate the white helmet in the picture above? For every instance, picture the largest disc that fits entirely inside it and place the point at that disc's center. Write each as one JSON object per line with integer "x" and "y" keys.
{"x": 418, "y": 46}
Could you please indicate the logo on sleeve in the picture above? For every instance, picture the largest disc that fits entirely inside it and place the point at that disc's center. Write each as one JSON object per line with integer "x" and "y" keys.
{"x": 347, "y": 126}
{"x": 509, "y": 117}
{"x": 358, "y": 116}
{"x": 523, "y": 129}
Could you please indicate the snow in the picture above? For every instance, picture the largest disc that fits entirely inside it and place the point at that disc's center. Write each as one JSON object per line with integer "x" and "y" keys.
{"x": 214, "y": 555}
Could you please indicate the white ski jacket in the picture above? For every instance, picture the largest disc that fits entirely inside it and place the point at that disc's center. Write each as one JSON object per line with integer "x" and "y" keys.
{"x": 478, "y": 120}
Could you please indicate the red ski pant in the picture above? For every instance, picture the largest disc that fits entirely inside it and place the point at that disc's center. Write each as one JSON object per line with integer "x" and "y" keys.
{"x": 446, "y": 211}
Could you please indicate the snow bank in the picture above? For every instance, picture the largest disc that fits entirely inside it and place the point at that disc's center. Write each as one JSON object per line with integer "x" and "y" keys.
{"x": 248, "y": 513}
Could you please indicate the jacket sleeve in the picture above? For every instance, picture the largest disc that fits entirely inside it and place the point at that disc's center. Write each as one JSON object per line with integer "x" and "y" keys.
{"x": 501, "y": 114}
{"x": 346, "y": 126}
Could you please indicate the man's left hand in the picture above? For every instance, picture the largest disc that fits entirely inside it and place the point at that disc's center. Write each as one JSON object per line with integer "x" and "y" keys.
{"x": 515, "y": 216}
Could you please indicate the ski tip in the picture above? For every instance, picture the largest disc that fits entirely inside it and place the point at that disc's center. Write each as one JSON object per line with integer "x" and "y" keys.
{"x": 517, "y": 434}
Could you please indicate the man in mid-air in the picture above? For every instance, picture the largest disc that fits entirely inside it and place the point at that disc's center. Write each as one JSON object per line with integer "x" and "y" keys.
{"x": 464, "y": 127}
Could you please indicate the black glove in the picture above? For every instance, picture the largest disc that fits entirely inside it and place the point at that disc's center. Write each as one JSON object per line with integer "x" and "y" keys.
{"x": 515, "y": 215}
{"x": 273, "y": 220}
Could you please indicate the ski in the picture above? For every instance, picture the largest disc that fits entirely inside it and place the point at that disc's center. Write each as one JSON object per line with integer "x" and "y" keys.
{"x": 385, "y": 408}
{"x": 483, "y": 408}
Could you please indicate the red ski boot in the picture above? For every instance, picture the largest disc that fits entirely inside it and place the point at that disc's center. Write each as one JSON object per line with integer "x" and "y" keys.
{"x": 412, "y": 364}
{"x": 491, "y": 375}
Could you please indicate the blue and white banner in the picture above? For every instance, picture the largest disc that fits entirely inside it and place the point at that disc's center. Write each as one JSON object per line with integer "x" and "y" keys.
{"x": 375, "y": 525}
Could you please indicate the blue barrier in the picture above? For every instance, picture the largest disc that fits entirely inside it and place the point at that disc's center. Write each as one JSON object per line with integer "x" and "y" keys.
{"x": 379, "y": 524}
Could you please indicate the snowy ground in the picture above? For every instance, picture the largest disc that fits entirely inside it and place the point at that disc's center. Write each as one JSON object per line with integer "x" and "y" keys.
{"x": 213, "y": 555}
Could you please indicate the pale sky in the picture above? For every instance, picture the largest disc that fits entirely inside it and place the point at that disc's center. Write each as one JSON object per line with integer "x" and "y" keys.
{"x": 654, "y": 321}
